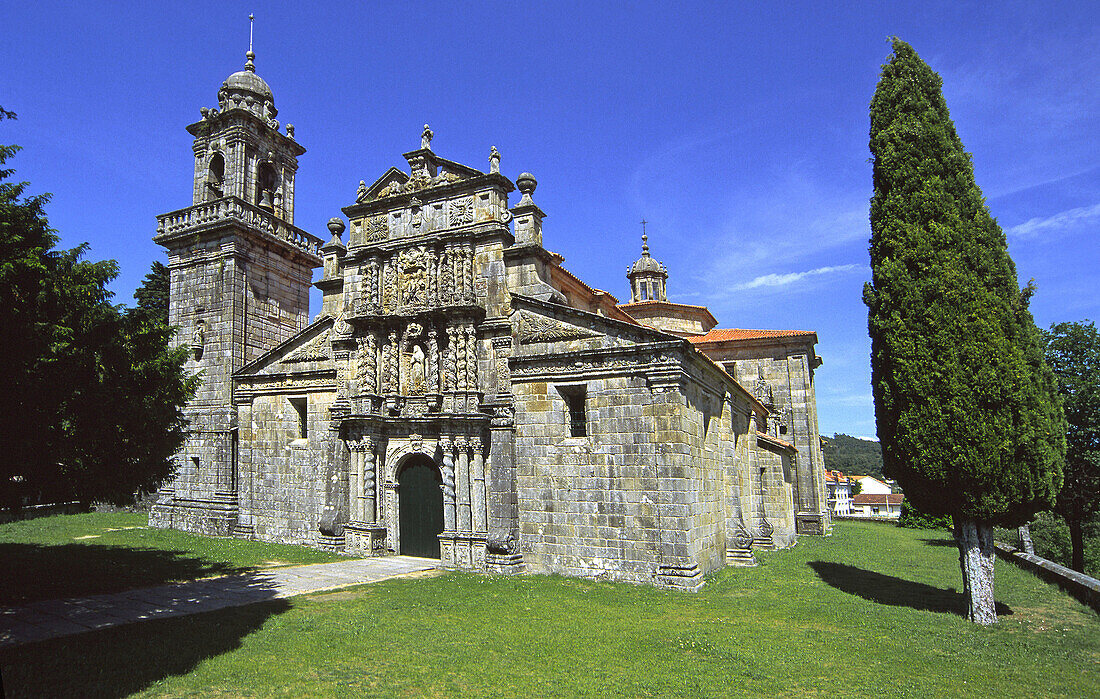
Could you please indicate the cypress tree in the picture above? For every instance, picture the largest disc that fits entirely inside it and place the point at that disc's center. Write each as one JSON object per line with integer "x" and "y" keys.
{"x": 967, "y": 410}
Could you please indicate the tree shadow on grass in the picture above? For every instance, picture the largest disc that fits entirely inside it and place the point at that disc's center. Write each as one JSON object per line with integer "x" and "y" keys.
{"x": 897, "y": 592}
{"x": 120, "y": 661}
{"x": 940, "y": 542}
{"x": 35, "y": 572}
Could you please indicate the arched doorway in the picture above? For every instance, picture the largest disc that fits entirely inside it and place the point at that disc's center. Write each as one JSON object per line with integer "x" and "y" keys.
{"x": 420, "y": 507}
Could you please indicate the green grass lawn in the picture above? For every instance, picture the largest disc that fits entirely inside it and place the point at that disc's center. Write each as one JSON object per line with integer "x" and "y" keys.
{"x": 71, "y": 555}
{"x": 871, "y": 611}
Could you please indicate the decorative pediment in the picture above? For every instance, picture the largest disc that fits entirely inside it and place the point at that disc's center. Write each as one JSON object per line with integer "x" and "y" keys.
{"x": 392, "y": 182}
{"x": 536, "y": 328}
{"x": 318, "y": 349}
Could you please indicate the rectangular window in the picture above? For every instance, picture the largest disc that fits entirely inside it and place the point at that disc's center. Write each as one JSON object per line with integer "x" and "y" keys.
{"x": 300, "y": 406}
{"x": 575, "y": 400}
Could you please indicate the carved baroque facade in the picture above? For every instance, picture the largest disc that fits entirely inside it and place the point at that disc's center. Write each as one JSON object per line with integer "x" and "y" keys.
{"x": 461, "y": 394}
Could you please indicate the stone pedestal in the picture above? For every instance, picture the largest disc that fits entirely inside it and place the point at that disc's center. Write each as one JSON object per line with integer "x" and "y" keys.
{"x": 679, "y": 577}
{"x": 365, "y": 539}
{"x": 463, "y": 551}
{"x": 811, "y": 523}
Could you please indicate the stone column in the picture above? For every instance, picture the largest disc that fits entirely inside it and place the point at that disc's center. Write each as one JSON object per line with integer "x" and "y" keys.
{"x": 471, "y": 358}
{"x": 462, "y": 480}
{"x": 393, "y": 380}
{"x": 367, "y": 492}
{"x": 429, "y": 281}
{"x": 467, "y": 273}
{"x": 433, "y": 362}
{"x": 448, "y": 484}
{"x": 460, "y": 359}
{"x": 478, "y": 497}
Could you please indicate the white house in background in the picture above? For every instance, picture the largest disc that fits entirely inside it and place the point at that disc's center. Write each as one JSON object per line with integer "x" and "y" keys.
{"x": 877, "y": 504}
{"x": 870, "y": 485}
{"x": 838, "y": 493}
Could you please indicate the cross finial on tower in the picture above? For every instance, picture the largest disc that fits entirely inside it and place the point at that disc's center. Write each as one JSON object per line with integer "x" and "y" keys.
{"x": 645, "y": 240}
{"x": 249, "y": 57}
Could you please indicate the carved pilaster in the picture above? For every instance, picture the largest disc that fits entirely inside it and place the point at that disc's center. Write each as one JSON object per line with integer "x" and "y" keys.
{"x": 502, "y": 349}
{"x": 462, "y": 481}
{"x": 355, "y": 476}
{"x": 448, "y": 484}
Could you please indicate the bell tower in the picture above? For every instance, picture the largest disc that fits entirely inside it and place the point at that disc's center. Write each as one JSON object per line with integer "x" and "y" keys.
{"x": 240, "y": 278}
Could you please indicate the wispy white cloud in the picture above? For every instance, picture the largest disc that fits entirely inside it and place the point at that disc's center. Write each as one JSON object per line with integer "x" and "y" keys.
{"x": 777, "y": 280}
{"x": 1057, "y": 223}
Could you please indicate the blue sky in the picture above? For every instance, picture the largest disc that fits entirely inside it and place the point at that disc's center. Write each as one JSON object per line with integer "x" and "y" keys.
{"x": 738, "y": 130}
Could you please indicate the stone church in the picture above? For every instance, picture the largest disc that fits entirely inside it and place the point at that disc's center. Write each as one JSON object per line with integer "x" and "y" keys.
{"x": 461, "y": 394}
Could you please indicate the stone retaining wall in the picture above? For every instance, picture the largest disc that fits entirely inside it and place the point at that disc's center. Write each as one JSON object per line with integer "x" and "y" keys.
{"x": 1077, "y": 584}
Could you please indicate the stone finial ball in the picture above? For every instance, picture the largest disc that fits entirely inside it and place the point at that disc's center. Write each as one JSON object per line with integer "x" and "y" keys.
{"x": 336, "y": 225}
{"x": 526, "y": 183}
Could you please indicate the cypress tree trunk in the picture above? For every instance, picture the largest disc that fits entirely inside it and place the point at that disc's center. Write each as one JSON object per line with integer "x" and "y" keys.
{"x": 975, "y": 541}
{"x": 1077, "y": 543}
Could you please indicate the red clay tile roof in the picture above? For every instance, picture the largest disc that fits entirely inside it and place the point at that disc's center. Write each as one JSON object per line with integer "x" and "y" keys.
{"x": 728, "y": 334}
{"x": 878, "y": 499}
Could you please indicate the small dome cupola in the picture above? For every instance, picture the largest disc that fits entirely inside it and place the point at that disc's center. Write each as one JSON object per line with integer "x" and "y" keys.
{"x": 246, "y": 90}
{"x": 647, "y": 276}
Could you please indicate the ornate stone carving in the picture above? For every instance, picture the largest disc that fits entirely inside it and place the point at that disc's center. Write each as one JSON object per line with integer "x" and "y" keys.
{"x": 318, "y": 349}
{"x": 503, "y": 416}
{"x": 433, "y": 362}
{"x": 375, "y": 229}
{"x": 413, "y": 282}
{"x": 471, "y": 358}
{"x": 462, "y": 211}
{"x": 341, "y": 327}
{"x": 365, "y": 373}
{"x": 535, "y": 328}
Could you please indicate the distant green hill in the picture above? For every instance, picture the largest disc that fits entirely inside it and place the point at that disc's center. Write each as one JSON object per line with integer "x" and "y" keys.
{"x": 852, "y": 455}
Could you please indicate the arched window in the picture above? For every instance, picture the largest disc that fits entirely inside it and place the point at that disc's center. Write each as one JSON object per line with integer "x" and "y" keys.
{"x": 215, "y": 178}
{"x": 267, "y": 180}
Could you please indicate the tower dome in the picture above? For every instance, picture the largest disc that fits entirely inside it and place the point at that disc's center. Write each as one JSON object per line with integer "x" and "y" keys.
{"x": 246, "y": 90}
{"x": 647, "y": 276}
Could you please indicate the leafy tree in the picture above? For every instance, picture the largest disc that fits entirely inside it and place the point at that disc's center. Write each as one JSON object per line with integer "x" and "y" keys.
{"x": 912, "y": 518}
{"x": 1073, "y": 352}
{"x": 92, "y": 396}
{"x": 152, "y": 295}
{"x": 966, "y": 407}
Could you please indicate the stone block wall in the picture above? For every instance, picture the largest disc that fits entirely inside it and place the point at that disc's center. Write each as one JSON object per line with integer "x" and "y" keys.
{"x": 588, "y": 506}
{"x": 790, "y": 377}
{"x": 284, "y": 477}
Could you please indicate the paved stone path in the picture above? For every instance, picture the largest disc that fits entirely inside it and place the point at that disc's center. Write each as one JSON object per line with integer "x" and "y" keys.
{"x": 39, "y": 621}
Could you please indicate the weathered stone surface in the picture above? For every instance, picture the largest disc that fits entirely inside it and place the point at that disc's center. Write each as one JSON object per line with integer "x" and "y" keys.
{"x": 565, "y": 435}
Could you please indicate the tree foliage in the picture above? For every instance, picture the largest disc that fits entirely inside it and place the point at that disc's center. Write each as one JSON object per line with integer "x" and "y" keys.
{"x": 1073, "y": 352}
{"x": 966, "y": 407}
{"x": 91, "y": 394}
{"x": 152, "y": 295}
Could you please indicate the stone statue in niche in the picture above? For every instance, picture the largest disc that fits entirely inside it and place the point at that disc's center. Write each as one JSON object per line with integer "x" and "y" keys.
{"x": 417, "y": 384}
{"x": 198, "y": 338}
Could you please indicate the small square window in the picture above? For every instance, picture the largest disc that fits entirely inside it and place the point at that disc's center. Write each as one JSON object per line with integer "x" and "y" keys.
{"x": 301, "y": 407}
{"x": 575, "y": 402}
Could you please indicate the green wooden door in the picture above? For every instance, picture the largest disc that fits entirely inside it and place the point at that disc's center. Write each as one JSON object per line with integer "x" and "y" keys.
{"x": 421, "y": 507}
